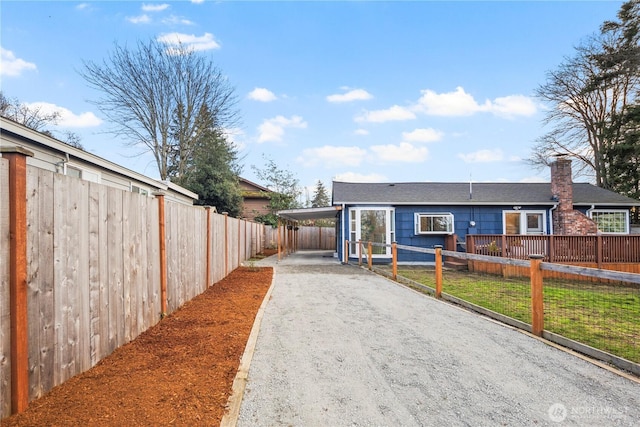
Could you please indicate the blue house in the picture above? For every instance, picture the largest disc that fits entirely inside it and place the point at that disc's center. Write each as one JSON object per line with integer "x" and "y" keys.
{"x": 425, "y": 214}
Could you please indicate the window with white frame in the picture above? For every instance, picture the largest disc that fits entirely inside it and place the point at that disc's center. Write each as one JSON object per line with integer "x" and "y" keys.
{"x": 80, "y": 172}
{"x": 611, "y": 221}
{"x": 524, "y": 222}
{"x": 434, "y": 223}
{"x": 372, "y": 224}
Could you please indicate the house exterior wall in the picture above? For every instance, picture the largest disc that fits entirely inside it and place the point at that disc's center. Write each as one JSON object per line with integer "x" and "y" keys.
{"x": 488, "y": 220}
{"x": 253, "y": 207}
{"x": 55, "y": 156}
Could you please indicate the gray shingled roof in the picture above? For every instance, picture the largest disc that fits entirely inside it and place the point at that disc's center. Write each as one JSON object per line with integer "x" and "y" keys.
{"x": 457, "y": 193}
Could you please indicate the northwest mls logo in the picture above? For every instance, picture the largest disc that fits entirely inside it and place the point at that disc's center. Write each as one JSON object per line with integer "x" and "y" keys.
{"x": 557, "y": 412}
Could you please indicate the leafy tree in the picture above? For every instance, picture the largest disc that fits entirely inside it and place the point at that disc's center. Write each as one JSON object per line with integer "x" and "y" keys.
{"x": 285, "y": 187}
{"x": 153, "y": 96}
{"x": 211, "y": 169}
{"x": 320, "y": 196}
{"x": 35, "y": 118}
{"x": 587, "y": 95}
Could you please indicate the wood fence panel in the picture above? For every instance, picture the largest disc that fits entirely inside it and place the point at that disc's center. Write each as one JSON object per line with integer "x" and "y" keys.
{"x": 217, "y": 247}
{"x": 140, "y": 207}
{"x": 98, "y": 273}
{"x": 128, "y": 249}
{"x": 5, "y": 321}
{"x": 116, "y": 304}
{"x": 153, "y": 307}
{"x": 83, "y": 297}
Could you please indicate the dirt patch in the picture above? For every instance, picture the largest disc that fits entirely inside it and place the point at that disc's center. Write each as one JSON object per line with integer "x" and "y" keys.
{"x": 178, "y": 372}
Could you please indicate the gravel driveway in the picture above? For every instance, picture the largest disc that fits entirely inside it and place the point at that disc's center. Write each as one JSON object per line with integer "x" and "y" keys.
{"x": 340, "y": 346}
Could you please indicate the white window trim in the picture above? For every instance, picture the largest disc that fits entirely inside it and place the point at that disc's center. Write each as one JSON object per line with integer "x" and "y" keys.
{"x": 523, "y": 220}
{"x": 626, "y": 219}
{"x": 144, "y": 191}
{"x": 418, "y": 215}
{"x": 84, "y": 170}
{"x": 390, "y": 232}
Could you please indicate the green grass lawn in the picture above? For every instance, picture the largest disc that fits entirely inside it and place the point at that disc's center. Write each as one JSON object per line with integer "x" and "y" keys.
{"x": 603, "y": 316}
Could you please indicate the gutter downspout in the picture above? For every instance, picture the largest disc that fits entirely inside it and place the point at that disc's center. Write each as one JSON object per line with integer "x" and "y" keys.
{"x": 342, "y": 232}
{"x": 554, "y": 207}
{"x": 590, "y": 209}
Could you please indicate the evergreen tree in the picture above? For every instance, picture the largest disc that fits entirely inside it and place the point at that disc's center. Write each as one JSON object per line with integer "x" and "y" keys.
{"x": 320, "y": 196}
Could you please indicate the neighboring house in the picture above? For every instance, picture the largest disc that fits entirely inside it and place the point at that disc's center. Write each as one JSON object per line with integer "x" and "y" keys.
{"x": 431, "y": 213}
{"x": 56, "y": 156}
{"x": 255, "y": 199}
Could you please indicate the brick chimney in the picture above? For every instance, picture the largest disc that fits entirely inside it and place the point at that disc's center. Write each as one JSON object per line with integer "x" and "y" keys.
{"x": 566, "y": 220}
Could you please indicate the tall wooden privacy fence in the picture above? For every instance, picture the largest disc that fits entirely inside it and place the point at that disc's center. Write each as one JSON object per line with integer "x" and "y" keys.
{"x": 100, "y": 266}
{"x": 306, "y": 237}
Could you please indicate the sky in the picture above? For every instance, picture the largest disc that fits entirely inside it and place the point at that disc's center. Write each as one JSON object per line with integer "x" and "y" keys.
{"x": 365, "y": 91}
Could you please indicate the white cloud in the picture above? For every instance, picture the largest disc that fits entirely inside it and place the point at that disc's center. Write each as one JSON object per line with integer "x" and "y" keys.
{"x": 154, "y": 7}
{"x": 513, "y": 105}
{"x": 177, "y": 20}
{"x": 422, "y": 135}
{"x": 190, "y": 41}
{"x": 395, "y": 113}
{"x": 482, "y": 156}
{"x": 404, "y": 152}
{"x": 12, "y": 66}
{"x": 197, "y": 1}
{"x": 358, "y": 177}
{"x": 262, "y": 94}
{"x": 351, "y": 95}
{"x": 361, "y": 132}
{"x": 141, "y": 19}
{"x": 67, "y": 117}
{"x": 82, "y": 6}
{"x": 272, "y": 130}
{"x": 460, "y": 103}
{"x": 332, "y": 156}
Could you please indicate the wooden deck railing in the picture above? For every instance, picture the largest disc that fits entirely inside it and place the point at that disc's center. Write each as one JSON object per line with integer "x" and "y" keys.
{"x": 600, "y": 249}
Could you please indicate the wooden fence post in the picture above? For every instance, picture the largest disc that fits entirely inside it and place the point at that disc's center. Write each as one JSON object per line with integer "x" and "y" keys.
{"x": 394, "y": 259}
{"x": 279, "y": 242}
{"x": 360, "y": 253}
{"x": 369, "y": 257}
{"x": 599, "y": 251}
{"x": 17, "y": 157}
{"x": 537, "y": 301}
{"x": 208, "y": 251}
{"x": 438, "y": 270}
{"x": 163, "y": 255}
{"x": 345, "y": 255}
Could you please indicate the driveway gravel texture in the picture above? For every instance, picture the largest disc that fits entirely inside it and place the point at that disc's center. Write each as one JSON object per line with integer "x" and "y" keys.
{"x": 341, "y": 346}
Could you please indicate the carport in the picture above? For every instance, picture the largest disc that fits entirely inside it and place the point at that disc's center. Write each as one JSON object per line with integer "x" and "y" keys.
{"x": 289, "y": 220}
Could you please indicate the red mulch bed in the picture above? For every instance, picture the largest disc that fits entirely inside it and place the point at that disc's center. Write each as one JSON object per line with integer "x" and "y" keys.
{"x": 179, "y": 372}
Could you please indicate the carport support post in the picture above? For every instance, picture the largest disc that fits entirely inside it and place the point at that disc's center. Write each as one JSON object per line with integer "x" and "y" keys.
{"x": 537, "y": 302}
{"x": 369, "y": 258}
{"x": 394, "y": 259}
{"x": 360, "y": 253}
{"x": 18, "y": 314}
{"x": 438, "y": 270}
{"x": 279, "y": 242}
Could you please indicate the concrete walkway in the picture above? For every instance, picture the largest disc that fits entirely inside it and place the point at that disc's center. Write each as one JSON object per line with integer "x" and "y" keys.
{"x": 340, "y": 346}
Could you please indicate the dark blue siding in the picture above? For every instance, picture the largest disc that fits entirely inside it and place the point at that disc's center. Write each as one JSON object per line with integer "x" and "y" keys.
{"x": 488, "y": 220}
